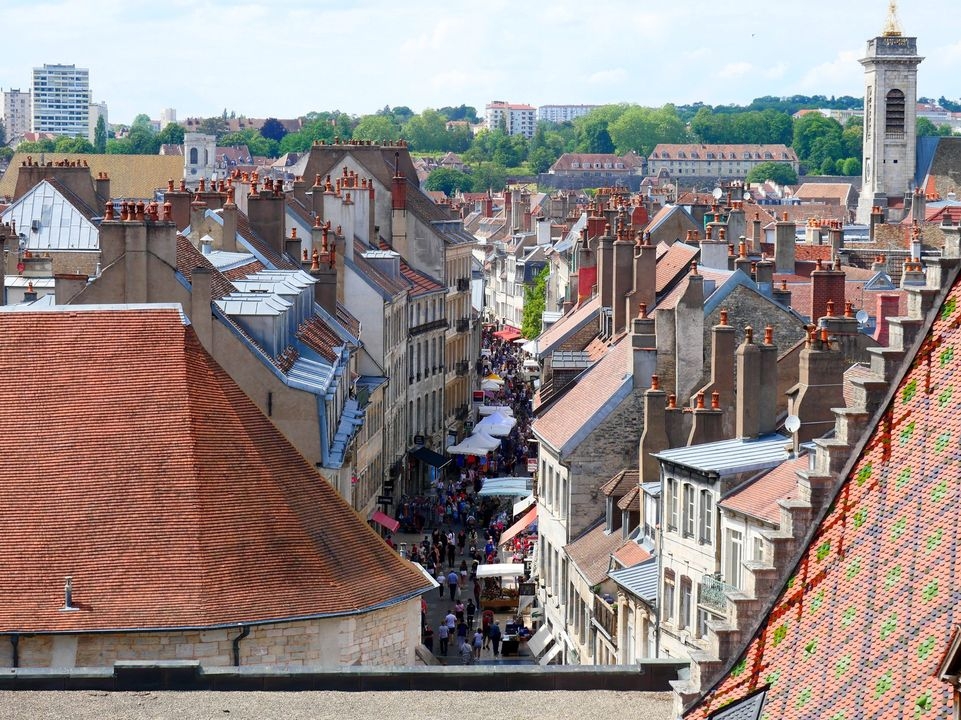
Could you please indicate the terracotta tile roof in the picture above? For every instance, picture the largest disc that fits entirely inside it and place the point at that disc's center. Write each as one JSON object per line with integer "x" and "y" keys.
{"x": 585, "y": 162}
{"x": 591, "y": 552}
{"x": 675, "y": 262}
{"x": 759, "y": 497}
{"x": 241, "y": 272}
{"x": 388, "y": 286}
{"x": 133, "y": 177}
{"x": 218, "y": 519}
{"x": 260, "y": 245}
{"x": 854, "y": 293}
{"x": 719, "y": 277}
{"x": 420, "y": 283}
{"x": 567, "y": 325}
{"x": 858, "y": 627}
{"x": 319, "y": 337}
{"x": 833, "y": 193}
{"x": 189, "y": 257}
{"x": 350, "y": 323}
{"x": 588, "y": 402}
{"x": 619, "y": 485}
{"x": 631, "y": 501}
{"x": 699, "y": 151}
{"x": 812, "y": 252}
{"x": 630, "y": 554}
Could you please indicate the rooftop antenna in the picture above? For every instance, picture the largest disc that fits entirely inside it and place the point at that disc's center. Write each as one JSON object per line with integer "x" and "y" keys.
{"x": 892, "y": 27}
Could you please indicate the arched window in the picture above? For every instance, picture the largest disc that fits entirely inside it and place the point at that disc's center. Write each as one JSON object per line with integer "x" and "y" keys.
{"x": 894, "y": 113}
{"x": 193, "y": 156}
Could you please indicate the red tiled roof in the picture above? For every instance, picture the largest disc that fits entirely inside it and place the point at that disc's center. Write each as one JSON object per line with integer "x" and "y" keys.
{"x": 619, "y": 485}
{"x": 631, "y": 501}
{"x": 812, "y": 252}
{"x": 630, "y": 554}
{"x": 759, "y": 497}
{"x": 585, "y": 399}
{"x": 573, "y": 319}
{"x": 348, "y": 321}
{"x": 243, "y": 271}
{"x": 698, "y": 151}
{"x": 146, "y": 474}
{"x": 674, "y": 262}
{"x": 317, "y": 335}
{"x": 670, "y": 300}
{"x": 189, "y": 257}
{"x": 859, "y": 626}
{"x": 591, "y": 553}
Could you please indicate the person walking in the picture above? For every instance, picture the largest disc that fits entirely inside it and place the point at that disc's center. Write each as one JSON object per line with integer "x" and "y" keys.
{"x": 487, "y": 620}
{"x": 495, "y": 637}
{"x": 470, "y": 610}
{"x": 451, "y": 621}
{"x": 452, "y": 584}
{"x": 478, "y": 642}
{"x": 466, "y": 652}
{"x": 443, "y": 634}
{"x": 441, "y": 579}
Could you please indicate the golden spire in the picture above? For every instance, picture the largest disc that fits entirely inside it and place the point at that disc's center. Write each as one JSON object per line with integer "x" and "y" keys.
{"x": 892, "y": 28}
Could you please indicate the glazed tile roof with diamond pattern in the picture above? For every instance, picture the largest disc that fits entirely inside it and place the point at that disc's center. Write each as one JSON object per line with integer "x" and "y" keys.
{"x": 190, "y": 510}
{"x": 859, "y": 627}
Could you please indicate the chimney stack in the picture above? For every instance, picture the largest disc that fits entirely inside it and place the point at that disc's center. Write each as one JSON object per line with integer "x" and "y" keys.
{"x": 767, "y": 389}
{"x": 179, "y": 204}
{"x": 605, "y": 267}
{"x": 887, "y": 308}
{"x": 827, "y": 286}
{"x": 645, "y": 275}
{"x": 200, "y": 298}
{"x": 654, "y": 437}
{"x": 323, "y": 268}
{"x": 643, "y": 360}
{"x": 586, "y": 270}
{"x": 748, "y": 381}
{"x": 722, "y": 369}
{"x": 756, "y": 234}
{"x": 784, "y": 242}
{"x": 622, "y": 276}
{"x": 228, "y": 240}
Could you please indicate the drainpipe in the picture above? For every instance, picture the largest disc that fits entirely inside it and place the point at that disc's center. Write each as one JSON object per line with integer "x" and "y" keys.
{"x": 244, "y": 632}
{"x": 15, "y": 645}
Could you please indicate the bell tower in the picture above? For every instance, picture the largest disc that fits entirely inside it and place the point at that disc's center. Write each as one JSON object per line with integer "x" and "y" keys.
{"x": 890, "y": 108}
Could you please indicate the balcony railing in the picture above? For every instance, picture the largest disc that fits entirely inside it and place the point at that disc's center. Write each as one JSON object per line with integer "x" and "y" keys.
{"x": 463, "y": 325}
{"x": 463, "y": 284}
{"x": 606, "y": 616}
{"x": 461, "y": 368}
{"x": 713, "y": 592}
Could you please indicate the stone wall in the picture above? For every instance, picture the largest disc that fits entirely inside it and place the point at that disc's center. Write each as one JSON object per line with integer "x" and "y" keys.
{"x": 385, "y": 637}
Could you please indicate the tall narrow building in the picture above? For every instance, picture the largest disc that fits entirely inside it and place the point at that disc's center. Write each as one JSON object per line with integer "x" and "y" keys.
{"x": 61, "y": 100}
{"x": 890, "y": 103}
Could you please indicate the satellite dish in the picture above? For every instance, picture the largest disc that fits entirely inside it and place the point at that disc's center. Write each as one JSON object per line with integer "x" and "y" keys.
{"x": 747, "y": 194}
{"x": 792, "y": 424}
{"x": 717, "y": 193}
{"x": 862, "y": 317}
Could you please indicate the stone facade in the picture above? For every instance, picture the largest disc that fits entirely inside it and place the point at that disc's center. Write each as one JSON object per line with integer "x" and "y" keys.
{"x": 385, "y": 637}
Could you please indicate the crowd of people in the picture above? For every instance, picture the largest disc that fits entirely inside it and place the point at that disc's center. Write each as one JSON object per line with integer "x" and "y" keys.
{"x": 465, "y": 527}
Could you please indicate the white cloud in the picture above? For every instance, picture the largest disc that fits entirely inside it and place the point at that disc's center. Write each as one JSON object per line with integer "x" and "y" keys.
{"x": 734, "y": 70}
{"x": 842, "y": 72}
{"x": 614, "y": 76}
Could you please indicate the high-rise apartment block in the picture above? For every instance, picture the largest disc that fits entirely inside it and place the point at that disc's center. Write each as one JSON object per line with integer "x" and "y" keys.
{"x": 562, "y": 113}
{"x": 61, "y": 100}
{"x": 514, "y": 119}
{"x": 16, "y": 113}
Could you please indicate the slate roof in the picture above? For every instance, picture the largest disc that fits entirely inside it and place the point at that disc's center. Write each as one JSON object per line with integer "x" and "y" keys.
{"x": 591, "y": 552}
{"x": 859, "y": 627}
{"x": 190, "y": 510}
{"x": 640, "y": 580}
{"x": 730, "y": 457}
{"x": 759, "y": 496}
{"x": 584, "y": 406}
{"x": 133, "y": 177}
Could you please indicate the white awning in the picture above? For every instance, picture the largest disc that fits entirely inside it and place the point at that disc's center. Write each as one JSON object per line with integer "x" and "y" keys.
{"x": 522, "y": 505}
{"x": 500, "y": 570}
{"x": 551, "y": 654}
{"x": 539, "y": 641}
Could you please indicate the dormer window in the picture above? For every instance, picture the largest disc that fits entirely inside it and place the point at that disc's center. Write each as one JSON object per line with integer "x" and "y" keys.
{"x": 575, "y": 164}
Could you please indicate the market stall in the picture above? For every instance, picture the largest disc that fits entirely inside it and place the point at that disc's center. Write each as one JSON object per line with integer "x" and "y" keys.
{"x": 500, "y": 585}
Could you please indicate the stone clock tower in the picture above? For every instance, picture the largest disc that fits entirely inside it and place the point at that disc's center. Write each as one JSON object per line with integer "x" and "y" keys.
{"x": 890, "y": 105}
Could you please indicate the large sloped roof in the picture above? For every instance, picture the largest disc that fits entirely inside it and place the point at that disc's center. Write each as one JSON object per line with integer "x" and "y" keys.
{"x": 860, "y": 626}
{"x": 142, "y": 471}
{"x": 131, "y": 176}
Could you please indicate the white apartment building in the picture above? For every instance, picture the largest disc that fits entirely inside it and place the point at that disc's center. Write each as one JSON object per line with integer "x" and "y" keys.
{"x": 97, "y": 111}
{"x": 16, "y": 113}
{"x": 518, "y": 119}
{"x": 562, "y": 113}
{"x": 61, "y": 100}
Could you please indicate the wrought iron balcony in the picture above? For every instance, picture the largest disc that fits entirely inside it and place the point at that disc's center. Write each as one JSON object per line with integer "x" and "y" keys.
{"x": 713, "y": 592}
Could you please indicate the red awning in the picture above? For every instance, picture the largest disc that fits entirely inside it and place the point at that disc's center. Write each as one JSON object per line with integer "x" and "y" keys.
{"x": 508, "y": 334}
{"x": 522, "y": 524}
{"x": 384, "y": 520}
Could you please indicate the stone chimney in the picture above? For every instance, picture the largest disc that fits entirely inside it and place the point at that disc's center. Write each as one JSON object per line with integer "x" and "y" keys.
{"x": 605, "y": 267}
{"x": 742, "y": 262}
{"x": 293, "y": 245}
{"x": 654, "y": 436}
{"x": 643, "y": 360}
{"x": 877, "y": 218}
{"x": 317, "y": 197}
{"x": 781, "y": 294}
{"x": 622, "y": 276}
{"x": 887, "y": 308}
{"x": 200, "y": 297}
{"x": 102, "y": 183}
{"x": 736, "y": 221}
{"x": 714, "y": 249}
{"x": 757, "y": 234}
{"x": 767, "y": 389}
{"x": 952, "y": 237}
{"x": 323, "y": 268}
{"x": 912, "y": 274}
{"x": 586, "y": 270}
{"x": 179, "y": 204}
{"x": 299, "y": 189}
{"x": 198, "y": 220}
{"x": 722, "y": 370}
{"x": 764, "y": 276}
{"x": 488, "y": 211}
{"x": 812, "y": 232}
{"x": 398, "y": 198}
{"x": 784, "y": 243}
{"x": 836, "y": 237}
{"x": 827, "y": 285}
{"x": 228, "y": 240}
{"x": 645, "y": 275}
{"x": 706, "y": 421}
{"x": 689, "y": 332}
{"x": 266, "y": 211}
{"x": 748, "y": 355}
{"x": 820, "y": 386}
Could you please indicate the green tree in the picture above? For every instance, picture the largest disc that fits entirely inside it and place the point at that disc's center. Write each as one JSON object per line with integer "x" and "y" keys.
{"x": 39, "y": 146}
{"x": 488, "y": 176}
{"x": 815, "y": 135}
{"x": 852, "y": 137}
{"x": 448, "y": 181}
{"x": 461, "y": 112}
{"x": 377, "y": 128}
{"x": 781, "y": 173}
{"x": 534, "y": 303}
{"x": 640, "y": 129}
{"x": 851, "y": 166}
{"x": 142, "y": 122}
{"x": 3, "y": 134}
{"x": 172, "y": 134}
{"x": 216, "y": 126}
{"x": 6, "y": 153}
{"x": 427, "y": 132}
{"x": 73, "y": 145}
{"x": 100, "y": 136}
{"x": 926, "y": 128}
{"x": 273, "y": 129}
{"x": 540, "y": 160}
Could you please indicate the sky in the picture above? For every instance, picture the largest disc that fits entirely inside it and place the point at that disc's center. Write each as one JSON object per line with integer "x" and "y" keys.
{"x": 287, "y": 58}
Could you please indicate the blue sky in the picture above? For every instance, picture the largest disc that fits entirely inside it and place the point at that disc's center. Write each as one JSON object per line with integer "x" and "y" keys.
{"x": 288, "y": 58}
